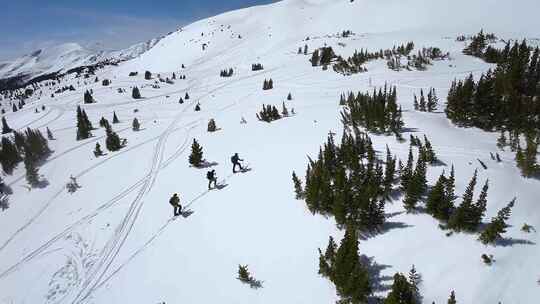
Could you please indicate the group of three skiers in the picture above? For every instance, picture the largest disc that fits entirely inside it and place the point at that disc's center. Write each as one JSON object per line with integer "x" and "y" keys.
{"x": 212, "y": 179}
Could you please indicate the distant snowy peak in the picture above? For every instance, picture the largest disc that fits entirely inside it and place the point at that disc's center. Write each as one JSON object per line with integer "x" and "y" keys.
{"x": 66, "y": 56}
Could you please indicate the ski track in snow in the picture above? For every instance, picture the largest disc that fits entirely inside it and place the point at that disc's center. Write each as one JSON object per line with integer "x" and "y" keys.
{"x": 113, "y": 246}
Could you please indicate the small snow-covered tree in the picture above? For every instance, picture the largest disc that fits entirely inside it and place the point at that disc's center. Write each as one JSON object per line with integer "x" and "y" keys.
{"x": 212, "y": 125}
{"x": 136, "y": 126}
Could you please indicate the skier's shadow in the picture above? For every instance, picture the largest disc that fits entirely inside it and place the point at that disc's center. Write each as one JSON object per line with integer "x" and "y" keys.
{"x": 186, "y": 213}
{"x": 221, "y": 186}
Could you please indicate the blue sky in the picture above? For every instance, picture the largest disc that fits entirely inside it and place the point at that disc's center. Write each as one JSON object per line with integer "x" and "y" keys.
{"x": 27, "y": 25}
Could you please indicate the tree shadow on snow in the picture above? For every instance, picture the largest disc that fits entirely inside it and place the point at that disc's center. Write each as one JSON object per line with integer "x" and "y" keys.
{"x": 41, "y": 184}
{"x": 409, "y": 130}
{"x": 386, "y": 227}
{"x": 438, "y": 163}
{"x": 4, "y": 202}
{"x": 6, "y": 190}
{"x": 245, "y": 170}
{"x": 395, "y": 195}
{"x": 221, "y": 186}
{"x": 379, "y": 283}
{"x": 509, "y": 242}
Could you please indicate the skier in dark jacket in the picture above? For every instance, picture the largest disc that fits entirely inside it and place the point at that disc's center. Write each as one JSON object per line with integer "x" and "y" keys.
{"x": 235, "y": 159}
{"x": 175, "y": 202}
{"x": 211, "y": 176}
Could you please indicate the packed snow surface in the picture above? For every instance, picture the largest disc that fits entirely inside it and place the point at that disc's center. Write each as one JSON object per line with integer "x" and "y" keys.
{"x": 114, "y": 240}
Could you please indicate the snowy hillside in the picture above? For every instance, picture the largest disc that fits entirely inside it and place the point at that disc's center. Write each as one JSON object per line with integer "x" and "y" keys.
{"x": 64, "y": 57}
{"x": 114, "y": 239}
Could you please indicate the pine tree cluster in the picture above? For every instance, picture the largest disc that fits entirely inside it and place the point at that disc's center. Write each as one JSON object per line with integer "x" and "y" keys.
{"x": 269, "y": 113}
{"x": 504, "y": 99}
{"x": 354, "y": 64}
{"x": 30, "y": 146}
{"x": 426, "y": 105}
{"x": 112, "y": 140}
{"x": 479, "y": 47}
{"x": 226, "y": 73}
{"x": 342, "y": 266}
{"x": 84, "y": 126}
{"x": 268, "y": 84}
{"x": 88, "y": 98}
{"x": 322, "y": 56}
{"x": 257, "y": 67}
{"x": 378, "y": 112}
{"x": 349, "y": 182}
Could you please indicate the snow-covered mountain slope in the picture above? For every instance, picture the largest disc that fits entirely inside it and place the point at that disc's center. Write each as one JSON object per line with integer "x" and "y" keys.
{"x": 113, "y": 240}
{"x": 64, "y": 57}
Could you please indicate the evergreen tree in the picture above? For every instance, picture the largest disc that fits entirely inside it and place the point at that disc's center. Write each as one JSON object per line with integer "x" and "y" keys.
{"x": 135, "y": 93}
{"x": 297, "y": 186}
{"x": 5, "y": 128}
{"x": 136, "y": 126}
{"x": 97, "y": 151}
{"x": 315, "y": 58}
{"x": 186, "y": 97}
{"x": 88, "y": 97}
{"x": 348, "y": 274}
{"x": 289, "y": 96}
{"x": 401, "y": 292}
{"x": 196, "y": 156}
{"x": 9, "y": 155}
{"x": 416, "y": 186}
{"x": 422, "y": 106}
{"x": 436, "y": 199}
{"x": 433, "y": 101}
{"x": 497, "y": 226}
{"x": 430, "y": 153}
{"x": 112, "y": 141}
{"x": 284, "y": 110}
{"x": 197, "y": 107}
{"x": 147, "y": 75}
{"x": 414, "y": 280}
{"x": 452, "y": 298}
{"x": 32, "y": 172}
{"x": 83, "y": 127}
{"x": 49, "y": 134}
{"x": 390, "y": 169}
{"x": 245, "y": 277}
{"x": 407, "y": 172}
{"x": 480, "y": 206}
{"x": 212, "y": 125}
{"x": 461, "y": 218}
{"x": 14, "y": 108}
{"x": 115, "y": 118}
{"x": 415, "y": 103}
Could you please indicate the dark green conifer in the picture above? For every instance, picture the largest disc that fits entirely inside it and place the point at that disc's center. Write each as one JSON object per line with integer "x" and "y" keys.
{"x": 196, "y": 156}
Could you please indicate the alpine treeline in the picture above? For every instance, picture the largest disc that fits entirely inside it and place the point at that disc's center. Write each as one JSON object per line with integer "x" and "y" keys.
{"x": 506, "y": 99}
{"x": 378, "y": 112}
